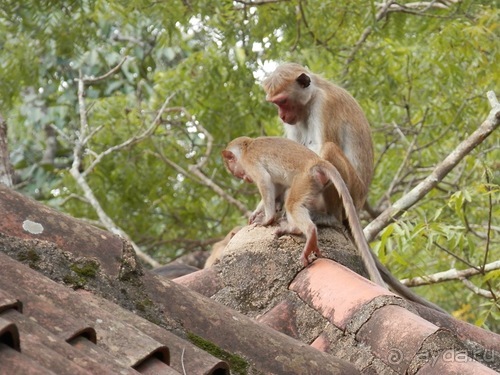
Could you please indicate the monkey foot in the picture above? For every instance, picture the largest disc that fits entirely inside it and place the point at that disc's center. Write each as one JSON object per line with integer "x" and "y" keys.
{"x": 305, "y": 256}
{"x": 281, "y": 232}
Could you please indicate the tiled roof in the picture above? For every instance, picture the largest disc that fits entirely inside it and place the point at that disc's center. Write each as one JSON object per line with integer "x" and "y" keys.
{"x": 358, "y": 321}
{"x": 74, "y": 300}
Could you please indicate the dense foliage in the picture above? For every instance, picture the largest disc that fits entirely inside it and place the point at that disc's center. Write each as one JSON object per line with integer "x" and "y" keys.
{"x": 420, "y": 73}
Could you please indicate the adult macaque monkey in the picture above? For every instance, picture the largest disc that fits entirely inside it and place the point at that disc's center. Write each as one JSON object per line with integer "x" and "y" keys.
{"x": 328, "y": 120}
{"x": 276, "y": 165}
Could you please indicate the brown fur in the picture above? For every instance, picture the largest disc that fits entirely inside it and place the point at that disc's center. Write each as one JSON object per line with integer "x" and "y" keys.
{"x": 344, "y": 137}
{"x": 277, "y": 164}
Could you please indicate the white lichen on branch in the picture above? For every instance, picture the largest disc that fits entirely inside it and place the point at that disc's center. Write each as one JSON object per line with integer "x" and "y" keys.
{"x": 440, "y": 171}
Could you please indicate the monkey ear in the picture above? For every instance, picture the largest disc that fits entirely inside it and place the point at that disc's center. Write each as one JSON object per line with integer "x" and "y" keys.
{"x": 226, "y": 154}
{"x": 304, "y": 80}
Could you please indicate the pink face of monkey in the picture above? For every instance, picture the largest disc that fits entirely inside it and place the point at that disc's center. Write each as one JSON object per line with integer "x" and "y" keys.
{"x": 234, "y": 166}
{"x": 293, "y": 100}
{"x": 286, "y": 109}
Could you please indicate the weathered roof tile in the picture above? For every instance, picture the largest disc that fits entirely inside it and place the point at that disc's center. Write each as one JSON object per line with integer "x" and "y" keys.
{"x": 452, "y": 362}
{"x": 282, "y": 318}
{"x": 347, "y": 319}
{"x": 393, "y": 331}
{"x": 206, "y": 282}
{"x": 183, "y": 354}
{"x": 9, "y": 334}
{"x": 9, "y": 302}
{"x": 50, "y": 351}
{"x": 334, "y": 290}
{"x": 29, "y": 219}
{"x": 15, "y": 362}
{"x": 120, "y": 333}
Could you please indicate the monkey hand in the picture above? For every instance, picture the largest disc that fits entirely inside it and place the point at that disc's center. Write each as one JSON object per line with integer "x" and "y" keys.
{"x": 256, "y": 217}
{"x": 259, "y": 217}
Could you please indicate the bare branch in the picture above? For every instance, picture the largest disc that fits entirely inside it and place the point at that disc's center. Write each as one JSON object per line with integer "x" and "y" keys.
{"x": 442, "y": 169}
{"x": 79, "y": 146}
{"x": 5, "y": 166}
{"x": 384, "y": 9}
{"x": 259, "y": 2}
{"x": 410, "y": 148}
{"x": 476, "y": 290}
{"x": 451, "y": 253}
{"x": 61, "y": 134}
{"x": 198, "y": 176}
{"x": 420, "y": 6}
{"x": 90, "y": 80}
{"x": 92, "y": 133}
{"x": 216, "y": 188}
{"x": 131, "y": 141}
{"x": 195, "y": 172}
{"x": 450, "y": 275}
{"x": 490, "y": 217}
{"x": 492, "y": 98}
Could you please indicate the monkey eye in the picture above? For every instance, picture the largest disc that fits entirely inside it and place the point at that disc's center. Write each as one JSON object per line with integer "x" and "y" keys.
{"x": 281, "y": 102}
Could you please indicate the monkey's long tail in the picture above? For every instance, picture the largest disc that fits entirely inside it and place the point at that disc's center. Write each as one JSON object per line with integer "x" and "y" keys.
{"x": 373, "y": 265}
{"x": 356, "y": 228}
{"x": 403, "y": 290}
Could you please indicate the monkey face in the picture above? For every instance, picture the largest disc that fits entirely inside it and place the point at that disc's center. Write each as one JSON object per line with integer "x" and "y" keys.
{"x": 234, "y": 166}
{"x": 286, "y": 109}
{"x": 293, "y": 100}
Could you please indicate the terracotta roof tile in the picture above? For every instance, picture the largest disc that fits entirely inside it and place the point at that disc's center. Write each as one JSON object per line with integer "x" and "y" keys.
{"x": 174, "y": 269}
{"x": 392, "y": 330}
{"x": 335, "y": 291}
{"x": 9, "y": 334}
{"x": 78, "y": 238}
{"x": 48, "y": 350}
{"x": 465, "y": 332}
{"x": 15, "y": 362}
{"x": 351, "y": 324}
{"x": 183, "y": 354}
{"x": 451, "y": 362}
{"x": 206, "y": 282}
{"x": 270, "y": 351}
{"x": 120, "y": 334}
{"x": 362, "y": 322}
{"x": 282, "y": 317}
{"x": 9, "y": 302}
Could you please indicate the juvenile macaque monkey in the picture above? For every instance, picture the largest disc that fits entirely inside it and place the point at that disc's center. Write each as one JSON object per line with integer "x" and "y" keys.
{"x": 328, "y": 120}
{"x": 278, "y": 165}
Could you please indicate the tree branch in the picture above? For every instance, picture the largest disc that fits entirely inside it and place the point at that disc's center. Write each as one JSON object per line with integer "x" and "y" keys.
{"x": 420, "y": 6}
{"x": 384, "y": 9}
{"x": 450, "y": 275}
{"x": 476, "y": 290}
{"x": 442, "y": 169}
{"x": 90, "y": 80}
{"x": 131, "y": 141}
{"x": 80, "y": 143}
{"x": 195, "y": 171}
{"x": 259, "y": 2}
{"x": 5, "y": 166}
